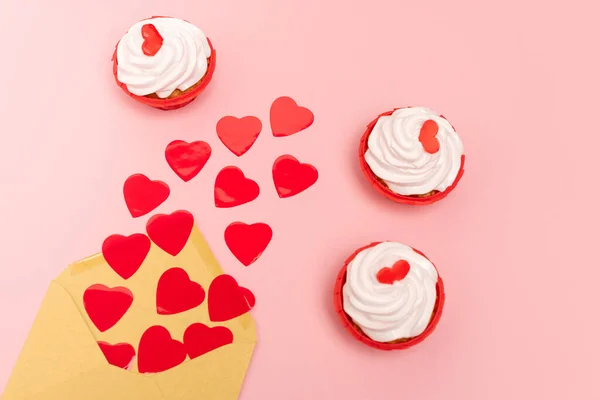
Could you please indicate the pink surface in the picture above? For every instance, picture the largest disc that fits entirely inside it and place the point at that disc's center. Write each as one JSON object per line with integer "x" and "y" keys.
{"x": 516, "y": 242}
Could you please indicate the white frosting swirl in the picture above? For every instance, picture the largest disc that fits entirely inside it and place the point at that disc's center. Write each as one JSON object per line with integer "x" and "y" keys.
{"x": 396, "y": 155}
{"x": 180, "y": 63}
{"x": 387, "y": 312}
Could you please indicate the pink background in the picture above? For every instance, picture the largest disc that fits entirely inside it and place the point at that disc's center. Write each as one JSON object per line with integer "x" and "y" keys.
{"x": 516, "y": 242}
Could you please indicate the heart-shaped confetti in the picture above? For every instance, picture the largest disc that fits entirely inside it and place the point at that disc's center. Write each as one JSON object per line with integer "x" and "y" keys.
{"x": 427, "y": 136}
{"x": 288, "y": 118}
{"x": 171, "y": 232}
{"x": 106, "y": 306}
{"x": 153, "y": 41}
{"x": 232, "y": 188}
{"x": 120, "y": 355}
{"x": 125, "y": 254}
{"x": 143, "y": 195}
{"x": 397, "y": 272}
{"x": 176, "y": 293}
{"x": 247, "y": 242}
{"x": 159, "y": 352}
{"x": 199, "y": 339}
{"x": 292, "y": 177}
{"x": 228, "y": 300}
{"x": 187, "y": 159}
{"x": 238, "y": 134}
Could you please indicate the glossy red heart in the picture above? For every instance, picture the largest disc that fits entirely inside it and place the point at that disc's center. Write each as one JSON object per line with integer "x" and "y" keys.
{"x": 171, "y": 232}
{"x": 288, "y": 118}
{"x": 177, "y": 293}
{"x": 247, "y": 242}
{"x": 120, "y": 355}
{"x": 199, "y": 339}
{"x": 106, "y": 306}
{"x": 143, "y": 195}
{"x": 427, "y": 136}
{"x": 125, "y": 254}
{"x": 228, "y": 300}
{"x": 153, "y": 41}
{"x": 292, "y": 177}
{"x": 397, "y": 272}
{"x": 158, "y": 352}
{"x": 238, "y": 134}
{"x": 187, "y": 159}
{"x": 232, "y": 188}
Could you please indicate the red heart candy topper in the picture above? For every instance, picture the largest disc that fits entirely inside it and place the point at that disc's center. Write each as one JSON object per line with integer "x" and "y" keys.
{"x": 153, "y": 41}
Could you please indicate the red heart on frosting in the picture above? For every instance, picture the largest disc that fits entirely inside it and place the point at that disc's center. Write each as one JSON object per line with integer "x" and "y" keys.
{"x": 187, "y": 159}
{"x": 199, "y": 339}
{"x": 427, "y": 136}
{"x": 106, "y": 306}
{"x": 143, "y": 195}
{"x": 287, "y": 117}
{"x": 232, "y": 188}
{"x": 120, "y": 354}
{"x": 152, "y": 40}
{"x": 228, "y": 300}
{"x": 125, "y": 254}
{"x": 171, "y": 232}
{"x": 158, "y": 352}
{"x": 247, "y": 242}
{"x": 292, "y": 177}
{"x": 398, "y": 272}
{"x": 177, "y": 293}
{"x": 238, "y": 134}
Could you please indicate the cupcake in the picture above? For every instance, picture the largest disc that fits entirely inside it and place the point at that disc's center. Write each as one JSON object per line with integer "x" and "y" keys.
{"x": 389, "y": 296}
{"x": 412, "y": 155}
{"x": 164, "y": 62}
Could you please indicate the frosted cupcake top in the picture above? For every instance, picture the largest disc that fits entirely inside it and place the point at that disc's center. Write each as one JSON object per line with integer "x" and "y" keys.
{"x": 390, "y": 292}
{"x": 160, "y": 55}
{"x": 414, "y": 151}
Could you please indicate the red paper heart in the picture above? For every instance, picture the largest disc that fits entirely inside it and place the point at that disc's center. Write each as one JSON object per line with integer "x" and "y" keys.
{"x": 158, "y": 352}
{"x": 288, "y": 118}
{"x": 143, "y": 195}
{"x": 427, "y": 136}
{"x": 398, "y": 272}
{"x": 120, "y": 354}
{"x": 125, "y": 254}
{"x": 238, "y": 134}
{"x": 171, "y": 232}
{"x": 291, "y": 177}
{"x": 106, "y": 306}
{"x": 232, "y": 188}
{"x": 177, "y": 293}
{"x": 153, "y": 41}
{"x": 247, "y": 242}
{"x": 187, "y": 159}
{"x": 199, "y": 339}
{"x": 227, "y": 300}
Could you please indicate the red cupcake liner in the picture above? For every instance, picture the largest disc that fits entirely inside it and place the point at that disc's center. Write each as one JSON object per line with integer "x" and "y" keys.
{"x": 178, "y": 101}
{"x": 383, "y": 189}
{"x": 338, "y": 301}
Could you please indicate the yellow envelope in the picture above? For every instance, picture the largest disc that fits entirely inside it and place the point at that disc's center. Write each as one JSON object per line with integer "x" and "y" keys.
{"x": 61, "y": 359}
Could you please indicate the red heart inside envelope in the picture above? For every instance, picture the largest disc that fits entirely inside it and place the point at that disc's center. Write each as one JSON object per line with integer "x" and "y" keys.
{"x": 106, "y": 306}
{"x": 120, "y": 354}
{"x": 143, "y": 195}
{"x": 158, "y": 352}
{"x": 199, "y": 339}
{"x": 228, "y": 300}
{"x": 238, "y": 134}
{"x": 125, "y": 254}
{"x": 187, "y": 159}
{"x": 177, "y": 293}
{"x": 288, "y": 118}
{"x": 292, "y": 177}
{"x": 171, "y": 232}
{"x": 232, "y": 188}
{"x": 247, "y": 242}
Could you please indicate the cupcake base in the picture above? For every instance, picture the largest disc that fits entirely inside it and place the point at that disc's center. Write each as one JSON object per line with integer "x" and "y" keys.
{"x": 380, "y": 186}
{"x": 358, "y": 334}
